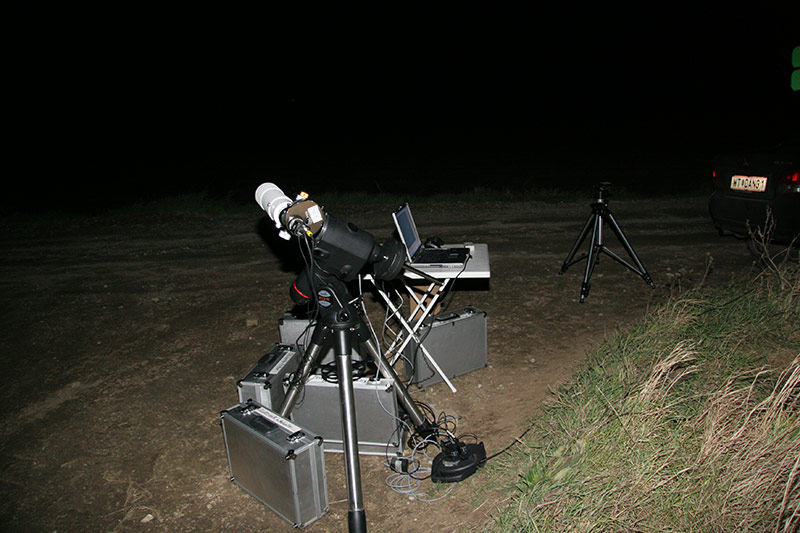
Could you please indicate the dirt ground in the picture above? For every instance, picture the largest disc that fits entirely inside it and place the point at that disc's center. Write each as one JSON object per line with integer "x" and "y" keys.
{"x": 123, "y": 339}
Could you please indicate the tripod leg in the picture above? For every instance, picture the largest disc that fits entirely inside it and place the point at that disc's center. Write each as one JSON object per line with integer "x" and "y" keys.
{"x": 356, "y": 516}
{"x": 312, "y": 351}
{"x": 620, "y": 260}
{"x": 593, "y": 257}
{"x": 570, "y": 260}
{"x": 628, "y": 248}
{"x": 417, "y": 418}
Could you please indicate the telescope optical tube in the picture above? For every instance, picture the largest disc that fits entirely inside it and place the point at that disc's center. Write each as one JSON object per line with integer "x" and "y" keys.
{"x": 272, "y": 200}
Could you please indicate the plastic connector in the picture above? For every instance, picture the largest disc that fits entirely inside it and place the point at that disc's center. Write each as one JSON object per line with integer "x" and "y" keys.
{"x": 400, "y": 464}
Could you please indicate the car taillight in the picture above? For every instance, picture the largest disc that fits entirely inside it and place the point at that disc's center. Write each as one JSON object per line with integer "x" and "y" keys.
{"x": 791, "y": 182}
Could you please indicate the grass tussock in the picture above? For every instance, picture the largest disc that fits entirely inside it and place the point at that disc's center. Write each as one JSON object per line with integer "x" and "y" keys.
{"x": 689, "y": 422}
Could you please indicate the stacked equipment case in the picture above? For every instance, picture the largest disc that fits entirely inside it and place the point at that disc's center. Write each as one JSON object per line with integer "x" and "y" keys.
{"x": 281, "y": 462}
{"x": 378, "y": 425}
{"x": 264, "y": 383}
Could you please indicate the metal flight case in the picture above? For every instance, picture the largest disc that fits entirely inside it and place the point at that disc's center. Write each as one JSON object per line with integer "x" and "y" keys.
{"x": 456, "y": 340}
{"x": 277, "y": 462}
{"x": 263, "y": 383}
{"x": 378, "y": 425}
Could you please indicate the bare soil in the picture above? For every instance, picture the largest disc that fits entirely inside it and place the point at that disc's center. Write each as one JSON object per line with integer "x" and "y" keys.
{"x": 123, "y": 338}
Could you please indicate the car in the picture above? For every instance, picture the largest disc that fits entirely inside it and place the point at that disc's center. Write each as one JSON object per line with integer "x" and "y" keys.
{"x": 757, "y": 194}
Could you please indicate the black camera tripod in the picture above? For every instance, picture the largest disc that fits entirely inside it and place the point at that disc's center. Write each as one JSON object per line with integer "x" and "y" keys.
{"x": 602, "y": 214}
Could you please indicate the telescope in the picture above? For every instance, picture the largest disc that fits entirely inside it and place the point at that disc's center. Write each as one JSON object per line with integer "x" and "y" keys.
{"x": 339, "y": 252}
{"x": 339, "y": 249}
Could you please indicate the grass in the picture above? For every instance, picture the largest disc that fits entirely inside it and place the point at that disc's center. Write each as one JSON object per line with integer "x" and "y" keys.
{"x": 688, "y": 422}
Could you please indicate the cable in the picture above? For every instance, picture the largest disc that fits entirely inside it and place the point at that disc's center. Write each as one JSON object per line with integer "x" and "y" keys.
{"x": 718, "y": 307}
{"x": 409, "y": 481}
{"x": 408, "y": 472}
{"x": 504, "y": 450}
{"x": 450, "y": 294}
{"x": 415, "y": 357}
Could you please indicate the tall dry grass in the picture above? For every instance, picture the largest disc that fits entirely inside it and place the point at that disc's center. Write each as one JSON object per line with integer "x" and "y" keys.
{"x": 689, "y": 422}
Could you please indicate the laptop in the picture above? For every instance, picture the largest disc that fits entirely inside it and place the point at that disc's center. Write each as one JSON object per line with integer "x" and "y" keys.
{"x": 420, "y": 255}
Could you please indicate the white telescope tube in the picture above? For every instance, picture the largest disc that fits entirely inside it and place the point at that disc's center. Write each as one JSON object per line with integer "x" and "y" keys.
{"x": 272, "y": 200}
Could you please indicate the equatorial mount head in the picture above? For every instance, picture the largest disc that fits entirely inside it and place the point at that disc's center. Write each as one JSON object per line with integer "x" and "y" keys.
{"x": 602, "y": 193}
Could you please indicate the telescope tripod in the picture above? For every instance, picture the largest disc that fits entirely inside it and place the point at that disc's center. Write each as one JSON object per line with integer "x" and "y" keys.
{"x": 340, "y": 322}
{"x": 338, "y": 252}
{"x": 602, "y": 214}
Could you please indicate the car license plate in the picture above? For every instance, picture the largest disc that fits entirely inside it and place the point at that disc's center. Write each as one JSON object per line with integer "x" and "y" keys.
{"x": 749, "y": 183}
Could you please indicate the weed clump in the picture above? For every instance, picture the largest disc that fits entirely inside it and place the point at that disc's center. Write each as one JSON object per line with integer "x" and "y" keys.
{"x": 688, "y": 422}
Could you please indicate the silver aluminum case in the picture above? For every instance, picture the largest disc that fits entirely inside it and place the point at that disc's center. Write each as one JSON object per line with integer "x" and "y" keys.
{"x": 277, "y": 462}
{"x": 378, "y": 425}
{"x": 263, "y": 383}
{"x": 456, "y": 340}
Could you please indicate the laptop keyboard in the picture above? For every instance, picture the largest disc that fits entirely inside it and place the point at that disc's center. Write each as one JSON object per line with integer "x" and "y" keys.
{"x": 435, "y": 255}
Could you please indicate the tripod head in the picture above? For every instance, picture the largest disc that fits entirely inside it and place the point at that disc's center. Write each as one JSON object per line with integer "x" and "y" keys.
{"x": 602, "y": 194}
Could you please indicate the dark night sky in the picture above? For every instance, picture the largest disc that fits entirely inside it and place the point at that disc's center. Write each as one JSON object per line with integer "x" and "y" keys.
{"x": 134, "y": 107}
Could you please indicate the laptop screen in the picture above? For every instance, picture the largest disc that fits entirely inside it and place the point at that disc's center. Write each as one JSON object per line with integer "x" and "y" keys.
{"x": 408, "y": 230}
